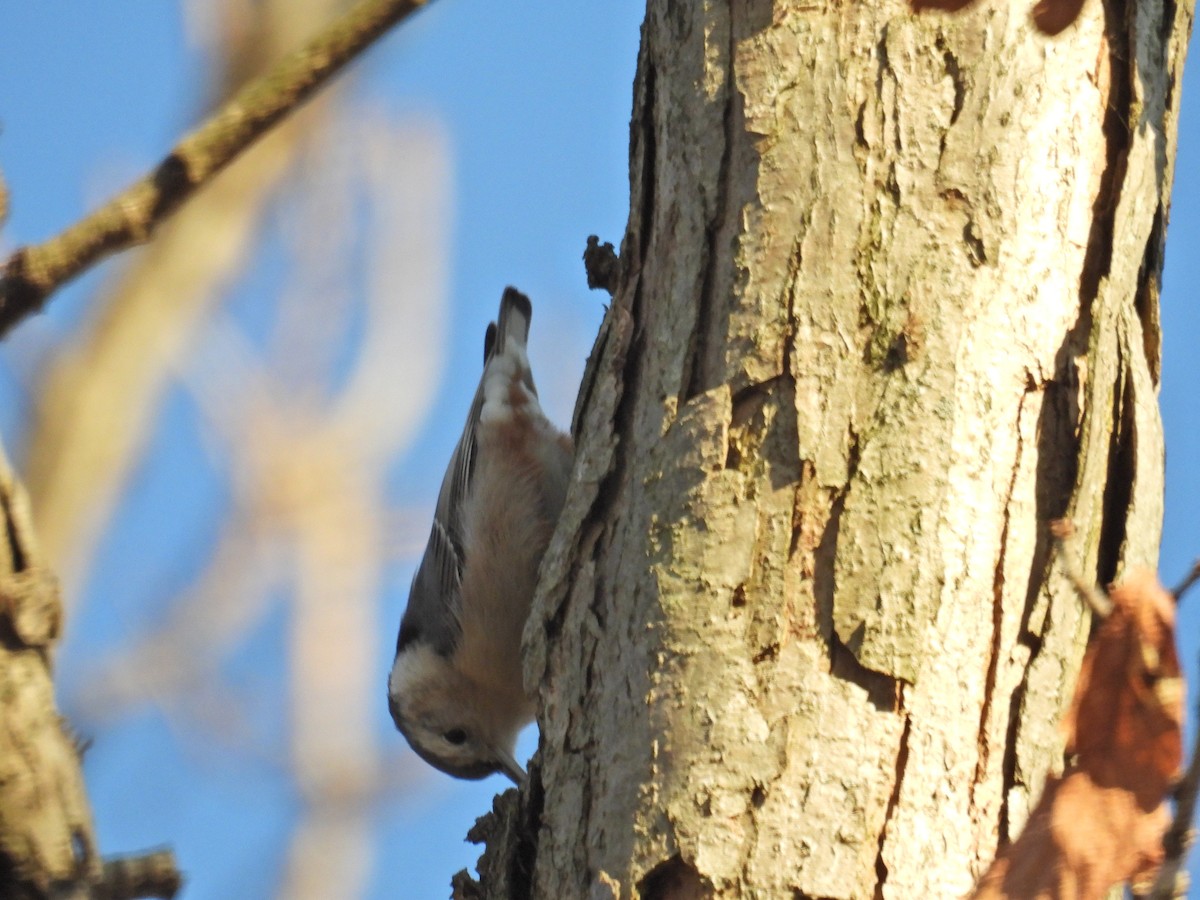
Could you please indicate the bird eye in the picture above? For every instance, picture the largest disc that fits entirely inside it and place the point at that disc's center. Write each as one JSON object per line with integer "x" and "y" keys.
{"x": 456, "y": 736}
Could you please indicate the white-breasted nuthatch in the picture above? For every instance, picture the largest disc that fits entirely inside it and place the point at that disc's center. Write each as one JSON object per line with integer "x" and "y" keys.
{"x": 455, "y": 689}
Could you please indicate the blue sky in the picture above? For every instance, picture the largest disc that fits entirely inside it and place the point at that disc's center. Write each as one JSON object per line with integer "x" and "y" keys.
{"x": 534, "y": 101}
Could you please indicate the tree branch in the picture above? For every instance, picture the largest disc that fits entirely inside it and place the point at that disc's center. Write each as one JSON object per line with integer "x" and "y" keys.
{"x": 33, "y": 273}
{"x": 1172, "y": 881}
{"x": 46, "y": 836}
{"x": 1192, "y": 577}
{"x": 1061, "y": 530}
{"x": 151, "y": 874}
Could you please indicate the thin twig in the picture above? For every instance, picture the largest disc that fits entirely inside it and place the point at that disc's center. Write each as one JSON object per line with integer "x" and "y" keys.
{"x": 1191, "y": 578}
{"x": 33, "y": 273}
{"x": 1101, "y": 605}
{"x": 1177, "y": 840}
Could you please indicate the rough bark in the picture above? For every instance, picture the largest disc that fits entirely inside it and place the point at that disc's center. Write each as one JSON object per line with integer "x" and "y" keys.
{"x": 889, "y": 302}
{"x": 47, "y": 844}
{"x": 45, "y": 820}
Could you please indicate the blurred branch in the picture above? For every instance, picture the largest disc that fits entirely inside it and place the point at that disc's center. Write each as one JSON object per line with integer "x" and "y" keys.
{"x": 180, "y": 655}
{"x": 33, "y": 273}
{"x": 98, "y": 393}
{"x": 1190, "y": 579}
{"x": 96, "y": 399}
{"x": 310, "y": 434}
{"x": 3, "y": 199}
{"x": 1172, "y": 879}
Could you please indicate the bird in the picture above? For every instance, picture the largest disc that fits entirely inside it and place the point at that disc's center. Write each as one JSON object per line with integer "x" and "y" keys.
{"x": 455, "y": 689}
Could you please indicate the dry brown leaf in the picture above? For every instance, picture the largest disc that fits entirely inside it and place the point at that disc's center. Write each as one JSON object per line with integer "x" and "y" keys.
{"x": 1102, "y": 823}
{"x": 1053, "y": 16}
{"x": 1126, "y": 719}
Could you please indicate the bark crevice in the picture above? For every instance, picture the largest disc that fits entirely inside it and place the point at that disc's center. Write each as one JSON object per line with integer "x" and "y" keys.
{"x": 1122, "y": 472}
{"x": 881, "y": 869}
{"x": 695, "y": 368}
{"x": 883, "y": 691}
{"x": 1115, "y": 74}
{"x": 998, "y": 585}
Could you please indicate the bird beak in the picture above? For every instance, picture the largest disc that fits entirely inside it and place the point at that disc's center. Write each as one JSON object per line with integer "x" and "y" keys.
{"x": 510, "y": 767}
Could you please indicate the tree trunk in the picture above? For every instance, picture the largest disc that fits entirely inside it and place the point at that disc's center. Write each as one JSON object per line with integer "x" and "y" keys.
{"x": 889, "y": 302}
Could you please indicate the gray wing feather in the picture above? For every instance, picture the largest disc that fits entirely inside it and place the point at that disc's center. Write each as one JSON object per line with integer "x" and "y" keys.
{"x": 432, "y": 614}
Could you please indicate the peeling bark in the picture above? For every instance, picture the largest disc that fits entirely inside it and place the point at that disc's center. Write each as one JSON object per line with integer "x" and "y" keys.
{"x": 888, "y": 303}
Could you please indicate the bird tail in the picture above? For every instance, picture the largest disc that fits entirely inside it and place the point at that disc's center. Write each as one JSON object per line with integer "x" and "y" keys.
{"x": 512, "y": 325}
{"x": 504, "y": 357}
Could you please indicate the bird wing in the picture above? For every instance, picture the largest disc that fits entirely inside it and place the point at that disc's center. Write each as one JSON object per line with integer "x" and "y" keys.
{"x": 433, "y": 612}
